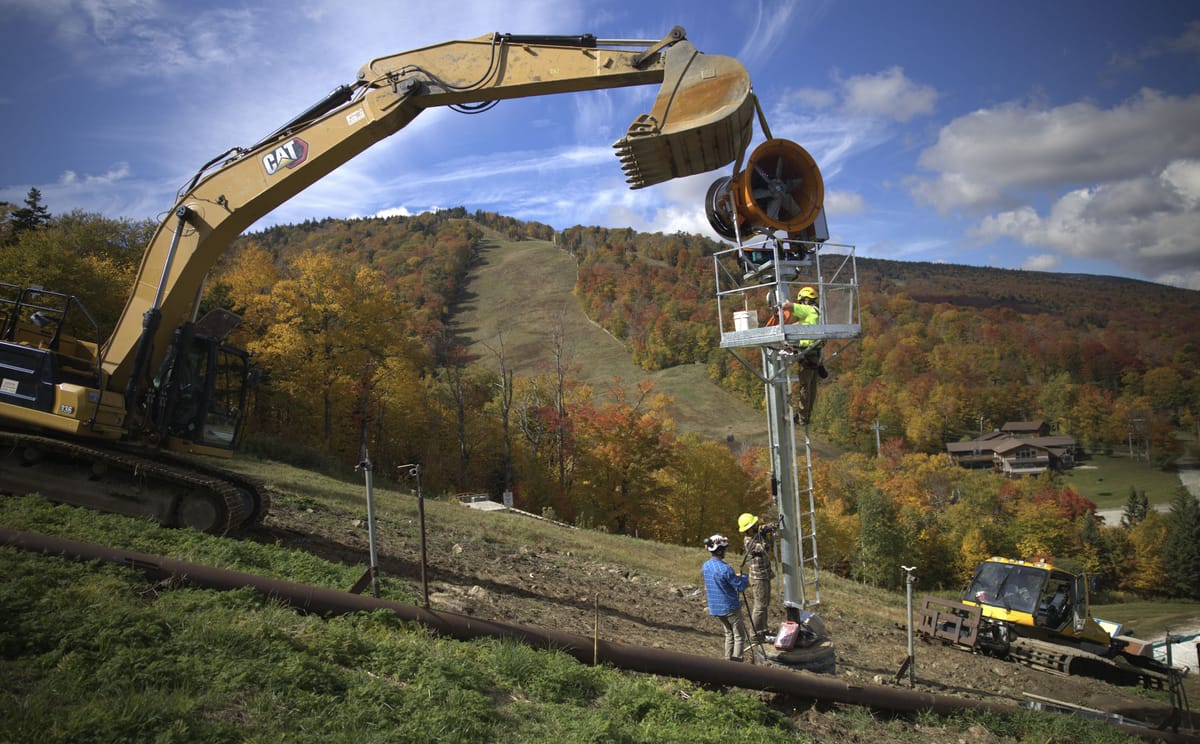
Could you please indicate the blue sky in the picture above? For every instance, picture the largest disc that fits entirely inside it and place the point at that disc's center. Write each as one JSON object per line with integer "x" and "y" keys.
{"x": 1052, "y": 136}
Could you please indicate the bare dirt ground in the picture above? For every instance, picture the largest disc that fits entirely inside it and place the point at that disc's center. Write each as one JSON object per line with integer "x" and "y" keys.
{"x": 558, "y": 590}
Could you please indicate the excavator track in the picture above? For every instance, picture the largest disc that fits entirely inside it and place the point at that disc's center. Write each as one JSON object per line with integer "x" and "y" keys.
{"x": 174, "y": 492}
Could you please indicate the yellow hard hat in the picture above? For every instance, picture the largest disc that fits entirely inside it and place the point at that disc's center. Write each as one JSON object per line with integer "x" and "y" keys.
{"x": 808, "y": 293}
{"x": 746, "y": 521}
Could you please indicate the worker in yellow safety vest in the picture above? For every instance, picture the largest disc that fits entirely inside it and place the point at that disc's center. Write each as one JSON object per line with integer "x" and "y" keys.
{"x": 803, "y": 311}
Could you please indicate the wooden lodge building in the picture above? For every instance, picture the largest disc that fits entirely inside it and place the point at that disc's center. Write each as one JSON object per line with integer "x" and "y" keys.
{"x": 1018, "y": 448}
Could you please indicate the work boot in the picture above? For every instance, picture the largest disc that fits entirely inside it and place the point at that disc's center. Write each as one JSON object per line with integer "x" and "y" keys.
{"x": 822, "y": 372}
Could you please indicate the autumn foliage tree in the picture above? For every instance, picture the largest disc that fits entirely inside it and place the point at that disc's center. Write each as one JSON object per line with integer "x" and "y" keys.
{"x": 621, "y": 447}
{"x": 704, "y": 488}
{"x": 82, "y": 254}
{"x": 321, "y": 329}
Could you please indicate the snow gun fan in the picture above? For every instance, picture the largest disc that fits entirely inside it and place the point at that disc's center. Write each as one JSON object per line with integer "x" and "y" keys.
{"x": 780, "y": 189}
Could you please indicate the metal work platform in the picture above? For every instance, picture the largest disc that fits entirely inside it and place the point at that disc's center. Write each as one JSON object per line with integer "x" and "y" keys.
{"x": 743, "y": 287}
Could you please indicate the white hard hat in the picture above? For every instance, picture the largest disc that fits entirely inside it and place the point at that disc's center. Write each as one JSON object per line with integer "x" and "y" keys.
{"x": 716, "y": 542}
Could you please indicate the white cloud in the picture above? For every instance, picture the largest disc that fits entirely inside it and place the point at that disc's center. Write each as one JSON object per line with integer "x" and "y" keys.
{"x": 1149, "y": 225}
{"x": 810, "y": 98}
{"x": 863, "y": 113}
{"x": 842, "y": 203}
{"x": 119, "y": 172}
{"x": 775, "y": 24}
{"x": 1003, "y": 156}
{"x": 1120, "y": 184}
{"x": 595, "y": 120}
{"x": 1186, "y": 278}
{"x": 1189, "y": 41}
{"x": 116, "y": 40}
{"x": 830, "y": 139}
{"x": 1183, "y": 176}
{"x": 400, "y": 211}
{"x": 889, "y": 95}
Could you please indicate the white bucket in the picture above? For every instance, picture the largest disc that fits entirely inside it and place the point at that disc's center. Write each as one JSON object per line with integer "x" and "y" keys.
{"x": 744, "y": 320}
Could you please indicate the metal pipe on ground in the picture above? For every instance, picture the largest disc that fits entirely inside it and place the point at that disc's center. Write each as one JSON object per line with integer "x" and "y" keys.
{"x": 461, "y": 627}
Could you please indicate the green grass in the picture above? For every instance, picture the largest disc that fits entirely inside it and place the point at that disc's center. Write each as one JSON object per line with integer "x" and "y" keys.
{"x": 1151, "y": 619}
{"x": 95, "y": 652}
{"x": 90, "y": 653}
{"x": 1106, "y": 480}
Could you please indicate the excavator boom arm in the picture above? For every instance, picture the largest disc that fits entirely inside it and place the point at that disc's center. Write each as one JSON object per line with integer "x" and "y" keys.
{"x": 701, "y": 120}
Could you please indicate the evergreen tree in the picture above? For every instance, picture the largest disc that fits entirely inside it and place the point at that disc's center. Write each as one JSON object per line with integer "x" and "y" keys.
{"x": 1181, "y": 551}
{"x": 32, "y": 216}
{"x": 1136, "y": 507}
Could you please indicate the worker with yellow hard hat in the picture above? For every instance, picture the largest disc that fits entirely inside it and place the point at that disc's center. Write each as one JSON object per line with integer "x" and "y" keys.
{"x": 803, "y": 311}
{"x": 757, "y": 536}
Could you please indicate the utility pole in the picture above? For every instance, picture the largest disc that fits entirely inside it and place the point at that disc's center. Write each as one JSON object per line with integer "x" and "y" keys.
{"x": 878, "y": 427}
{"x": 1136, "y": 424}
{"x": 785, "y": 268}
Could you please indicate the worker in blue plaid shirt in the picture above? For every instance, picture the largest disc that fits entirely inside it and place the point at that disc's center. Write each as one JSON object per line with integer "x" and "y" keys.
{"x": 723, "y": 587}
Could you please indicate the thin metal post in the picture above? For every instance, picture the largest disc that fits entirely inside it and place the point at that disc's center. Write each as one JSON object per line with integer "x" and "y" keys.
{"x": 910, "y": 662}
{"x": 365, "y": 466}
{"x": 415, "y": 471}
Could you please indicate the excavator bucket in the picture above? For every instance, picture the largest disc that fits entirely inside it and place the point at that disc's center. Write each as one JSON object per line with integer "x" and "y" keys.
{"x": 702, "y": 119}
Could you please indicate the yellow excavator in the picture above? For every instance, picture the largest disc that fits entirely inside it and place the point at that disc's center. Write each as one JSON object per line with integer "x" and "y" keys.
{"x": 1037, "y": 613}
{"x": 111, "y": 423}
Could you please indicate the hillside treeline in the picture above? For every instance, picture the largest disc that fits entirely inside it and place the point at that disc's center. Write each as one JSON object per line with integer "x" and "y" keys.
{"x": 347, "y": 319}
{"x": 946, "y": 351}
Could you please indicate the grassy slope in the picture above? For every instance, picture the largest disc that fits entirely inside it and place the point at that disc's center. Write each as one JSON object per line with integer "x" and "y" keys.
{"x": 96, "y": 653}
{"x": 524, "y": 290}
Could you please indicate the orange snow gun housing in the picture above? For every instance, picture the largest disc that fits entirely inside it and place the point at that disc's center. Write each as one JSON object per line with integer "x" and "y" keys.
{"x": 780, "y": 189}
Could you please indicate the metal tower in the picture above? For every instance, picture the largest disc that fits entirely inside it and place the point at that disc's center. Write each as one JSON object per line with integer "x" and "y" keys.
{"x": 752, "y": 281}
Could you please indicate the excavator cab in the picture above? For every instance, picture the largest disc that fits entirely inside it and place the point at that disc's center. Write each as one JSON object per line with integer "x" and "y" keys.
{"x": 198, "y": 396}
